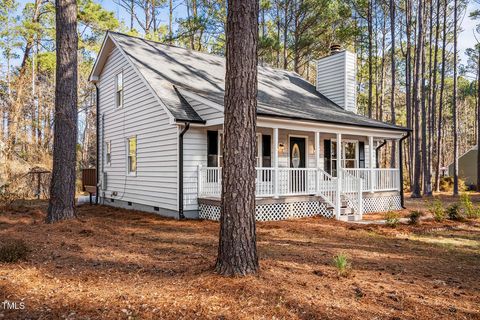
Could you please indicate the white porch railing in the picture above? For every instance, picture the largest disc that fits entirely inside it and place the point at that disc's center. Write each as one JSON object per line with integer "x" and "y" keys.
{"x": 377, "y": 179}
{"x": 351, "y": 190}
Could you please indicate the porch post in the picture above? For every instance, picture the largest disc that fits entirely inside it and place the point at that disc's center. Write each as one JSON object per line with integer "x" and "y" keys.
{"x": 339, "y": 174}
{"x": 199, "y": 180}
{"x": 317, "y": 162}
{"x": 372, "y": 165}
{"x": 275, "y": 162}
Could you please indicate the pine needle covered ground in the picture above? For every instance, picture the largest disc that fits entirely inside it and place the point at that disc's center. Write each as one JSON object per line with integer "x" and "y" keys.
{"x": 119, "y": 264}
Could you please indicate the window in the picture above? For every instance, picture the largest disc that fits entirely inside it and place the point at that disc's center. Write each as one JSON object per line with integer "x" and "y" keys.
{"x": 349, "y": 154}
{"x": 132, "y": 155}
{"x": 119, "y": 90}
{"x": 108, "y": 153}
{"x": 214, "y": 149}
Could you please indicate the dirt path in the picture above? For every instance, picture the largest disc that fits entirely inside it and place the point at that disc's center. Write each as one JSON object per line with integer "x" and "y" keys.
{"x": 118, "y": 264}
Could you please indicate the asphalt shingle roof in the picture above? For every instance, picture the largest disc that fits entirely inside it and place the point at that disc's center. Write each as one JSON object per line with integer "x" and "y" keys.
{"x": 280, "y": 93}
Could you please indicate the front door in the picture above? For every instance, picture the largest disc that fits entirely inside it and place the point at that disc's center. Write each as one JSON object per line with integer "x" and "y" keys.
{"x": 298, "y": 160}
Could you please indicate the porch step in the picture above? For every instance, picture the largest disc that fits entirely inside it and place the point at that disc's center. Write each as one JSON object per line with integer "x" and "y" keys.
{"x": 350, "y": 217}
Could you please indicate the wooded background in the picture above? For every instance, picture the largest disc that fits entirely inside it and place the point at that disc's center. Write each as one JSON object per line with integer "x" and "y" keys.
{"x": 407, "y": 62}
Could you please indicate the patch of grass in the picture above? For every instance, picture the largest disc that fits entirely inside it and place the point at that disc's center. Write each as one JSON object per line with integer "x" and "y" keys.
{"x": 414, "y": 217}
{"x": 13, "y": 250}
{"x": 437, "y": 210}
{"x": 392, "y": 219}
{"x": 341, "y": 263}
{"x": 454, "y": 212}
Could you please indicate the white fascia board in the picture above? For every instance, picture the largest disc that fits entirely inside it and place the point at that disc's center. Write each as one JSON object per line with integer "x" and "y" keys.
{"x": 312, "y": 126}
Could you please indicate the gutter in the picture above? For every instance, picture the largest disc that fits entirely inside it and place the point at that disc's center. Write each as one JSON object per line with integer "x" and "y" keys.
{"x": 181, "y": 216}
{"x": 377, "y": 149}
{"x": 400, "y": 158}
{"x": 97, "y": 171}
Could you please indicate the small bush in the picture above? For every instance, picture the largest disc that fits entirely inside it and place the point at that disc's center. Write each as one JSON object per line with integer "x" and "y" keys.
{"x": 469, "y": 210}
{"x": 13, "y": 250}
{"x": 437, "y": 210}
{"x": 392, "y": 219}
{"x": 454, "y": 212}
{"x": 414, "y": 216}
{"x": 341, "y": 263}
{"x": 446, "y": 184}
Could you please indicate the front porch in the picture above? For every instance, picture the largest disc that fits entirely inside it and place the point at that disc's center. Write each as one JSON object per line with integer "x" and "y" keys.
{"x": 305, "y": 173}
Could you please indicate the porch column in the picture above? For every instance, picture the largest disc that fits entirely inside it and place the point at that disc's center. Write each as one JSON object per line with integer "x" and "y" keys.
{"x": 275, "y": 162}
{"x": 339, "y": 174}
{"x": 317, "y": 161}
{"x": 372, "y": 164}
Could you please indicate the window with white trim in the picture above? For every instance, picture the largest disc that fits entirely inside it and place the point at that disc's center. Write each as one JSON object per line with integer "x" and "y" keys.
{"x": 119, "y": 90}
{"x": 108, "y": 153}
{"x": 132, "y": 155}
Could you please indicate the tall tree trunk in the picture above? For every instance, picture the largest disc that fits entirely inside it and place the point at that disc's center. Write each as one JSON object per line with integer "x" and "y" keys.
{"x": 370, "y": 57}
{"x": 392, "y": 96}
{"x": 132, "y": 14}
{"x": 237, "y": 252}
{"x": 170, "y": 21}
{"x": 416, "y": 192}
{"x": 478, "y": 117}
{"x": 408, "y": 87}
{"x": 62, "y": 189}
{"x": 285, "y": 35}
{"x": 277, "y": 61}
{"x": 434, "y": 93}
{"x": 454, "y": 106}
{"x": 427, "y": 188}
{"x": 441, "y": 97}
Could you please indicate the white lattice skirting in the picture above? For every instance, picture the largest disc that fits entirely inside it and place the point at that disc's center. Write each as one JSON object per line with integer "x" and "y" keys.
{"x": 381, "y": 203}
{"x": 274, "y": 211}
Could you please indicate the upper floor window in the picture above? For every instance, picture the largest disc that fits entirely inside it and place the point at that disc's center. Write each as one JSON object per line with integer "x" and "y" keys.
{"x": 108, "y": 153}
{"x": 132, "y": 155}
{"x": 119, "y": 90}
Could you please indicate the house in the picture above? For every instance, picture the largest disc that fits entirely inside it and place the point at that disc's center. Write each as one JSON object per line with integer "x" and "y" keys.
{"x": 467, "y": 167}
{"x": 160, "y": 134}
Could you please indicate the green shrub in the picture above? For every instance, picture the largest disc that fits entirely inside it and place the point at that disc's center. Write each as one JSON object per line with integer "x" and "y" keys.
{"x": 13, "y": 250}
{"x": 392, "y": 219}
{"x": 469, "y": 210}
{"x": 414, "y": 216}
{"x": 437, "y": 210}
{"x": 341, "y": 263}
{"x": 454, "y": 212}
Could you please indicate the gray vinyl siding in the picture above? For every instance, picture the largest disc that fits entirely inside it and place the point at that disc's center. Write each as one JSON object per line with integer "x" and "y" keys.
{"x": 155, "y": 182}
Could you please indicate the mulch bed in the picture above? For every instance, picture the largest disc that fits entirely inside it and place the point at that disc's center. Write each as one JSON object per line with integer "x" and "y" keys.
{"x": 119, "y": 264}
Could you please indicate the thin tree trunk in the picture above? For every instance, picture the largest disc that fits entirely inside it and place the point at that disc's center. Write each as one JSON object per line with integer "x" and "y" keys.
{"x": 170, "y": 21}
{"x": 478, "y": 117}
{"x": 370, "y": 57}
{"x": 132, "y": 14}
{"x": 454, "y": 106}
{"x": 62, "y": 189}
{"x": 427, "y": 188}
{"x": 237, "y": 252}
{"x": 416, "y": 192}
{"x": 441, "y": 97}
{"x": 408, "y": 86}
{"x": 434, "y": 94}
{"x": 285, "y": 35}
{"x": 392, "y": 96}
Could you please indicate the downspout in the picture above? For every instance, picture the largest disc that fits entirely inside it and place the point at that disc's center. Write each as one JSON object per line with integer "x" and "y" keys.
{"x": 400, "y": 160}
{"x": 97, "y": 171}
{"x": 180, "y": 171}
{"x": 377, "y": 149}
